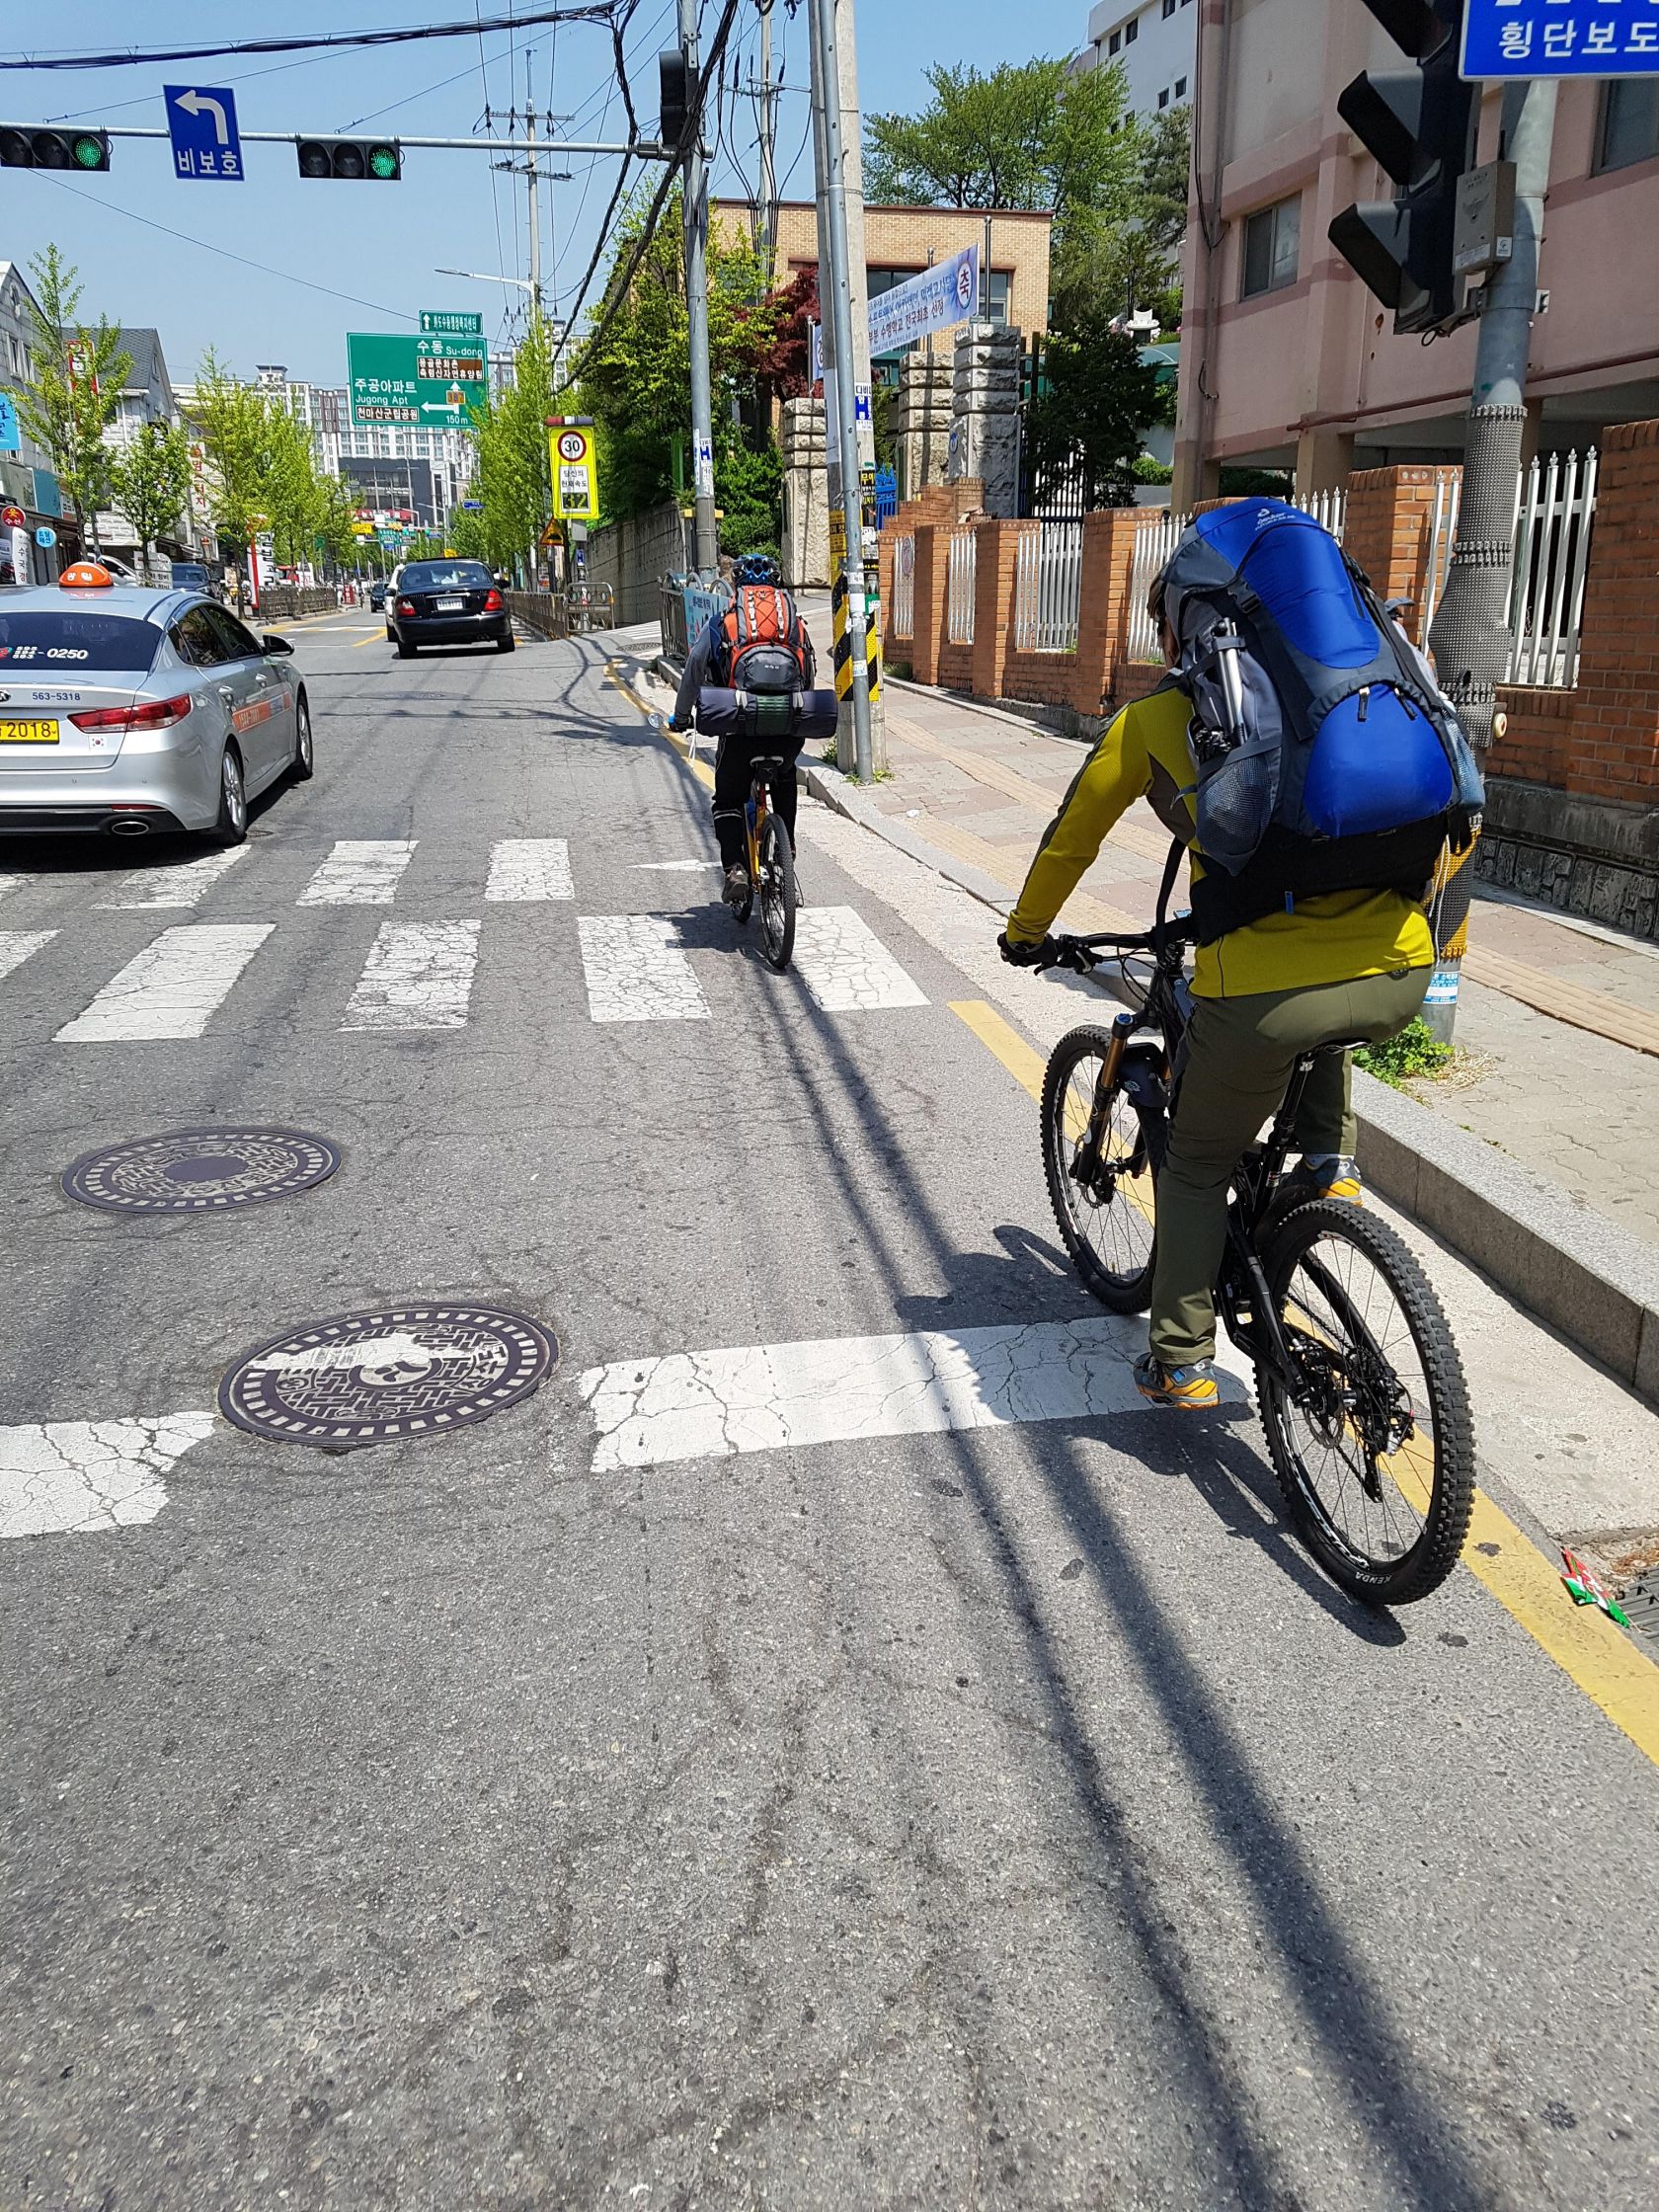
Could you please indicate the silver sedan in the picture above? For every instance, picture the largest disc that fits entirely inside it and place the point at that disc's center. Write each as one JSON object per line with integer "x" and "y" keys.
{"x": 127, "y": 710}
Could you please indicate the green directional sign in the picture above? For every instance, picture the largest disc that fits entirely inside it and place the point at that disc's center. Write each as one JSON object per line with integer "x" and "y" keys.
{"x": 436, "y": 322}
{"x": 428, "y": 382}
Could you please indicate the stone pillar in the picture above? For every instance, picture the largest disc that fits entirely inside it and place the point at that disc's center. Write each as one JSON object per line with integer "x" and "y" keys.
{"x": 1103, "y": 608}
{"x": 805, "y": 496}
{"x": 1324, "y": 459}
{"x": 995, "y": 555}
{"x": 932, "y": 575}
{"x": 923, "y": 420}
{"x": 985, "y": 412}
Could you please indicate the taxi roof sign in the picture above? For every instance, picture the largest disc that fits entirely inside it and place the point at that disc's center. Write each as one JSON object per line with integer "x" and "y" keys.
{"x": 86, "y": 576}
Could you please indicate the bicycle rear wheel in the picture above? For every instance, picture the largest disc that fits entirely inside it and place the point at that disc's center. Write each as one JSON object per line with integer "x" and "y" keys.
{"x": 1098, "y": 1158}
{"x": 1370, "y": 1435}
{"x": 776, "y": 893}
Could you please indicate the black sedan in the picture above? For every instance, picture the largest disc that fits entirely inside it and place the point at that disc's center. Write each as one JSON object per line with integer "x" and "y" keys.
{"x": 448, "y": 602}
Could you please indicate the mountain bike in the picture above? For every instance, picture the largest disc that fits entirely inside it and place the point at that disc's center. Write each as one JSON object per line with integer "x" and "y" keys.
{"x": 1359, "y": 1384}
{"x": 770, "y": 860}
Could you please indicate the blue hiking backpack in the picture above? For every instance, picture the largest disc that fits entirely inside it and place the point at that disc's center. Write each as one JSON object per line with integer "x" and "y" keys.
{"x": 1326, "y": 757}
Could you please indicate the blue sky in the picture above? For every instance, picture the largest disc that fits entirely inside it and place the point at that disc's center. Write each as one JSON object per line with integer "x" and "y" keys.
{"x": 380, "y": 244}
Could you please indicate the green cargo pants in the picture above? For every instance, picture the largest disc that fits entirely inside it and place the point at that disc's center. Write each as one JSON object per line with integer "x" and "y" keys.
{"x": 1241, "y": 1055}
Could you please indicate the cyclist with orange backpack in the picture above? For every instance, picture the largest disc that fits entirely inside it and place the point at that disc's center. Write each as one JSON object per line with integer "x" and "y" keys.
{"x": 758, "y": 646}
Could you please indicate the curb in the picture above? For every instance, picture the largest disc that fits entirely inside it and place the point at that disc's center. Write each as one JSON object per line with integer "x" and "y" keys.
{"x": 1581, "y": 1274}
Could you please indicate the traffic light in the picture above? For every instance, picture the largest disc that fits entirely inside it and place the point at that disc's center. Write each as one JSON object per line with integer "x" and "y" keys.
{"x": 1420, "y": 125}
{"x": 352, "y": 160}
{"x": 676, "y": 83}
{"x": 22, "y": 146}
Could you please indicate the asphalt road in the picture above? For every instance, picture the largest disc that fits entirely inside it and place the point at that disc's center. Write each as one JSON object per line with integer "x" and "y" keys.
{"x": 699, "y": 1783}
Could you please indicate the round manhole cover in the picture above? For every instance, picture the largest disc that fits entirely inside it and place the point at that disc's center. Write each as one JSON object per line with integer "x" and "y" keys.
{"x": 200, "y": 1170}
{"x": 372, "y": 1378}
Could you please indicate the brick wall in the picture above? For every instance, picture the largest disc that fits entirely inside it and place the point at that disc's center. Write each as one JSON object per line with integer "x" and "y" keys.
{"x": 1536, "y": 738}
{"x": 1390, "y": 533}
{"x": 1614, "y": 749}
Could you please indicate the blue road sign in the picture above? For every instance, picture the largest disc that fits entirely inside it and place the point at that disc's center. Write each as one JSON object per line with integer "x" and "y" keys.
{"x": 1560, "y": 38}
{"x": 11, "y": 437}
{"x": 201, "y": 124}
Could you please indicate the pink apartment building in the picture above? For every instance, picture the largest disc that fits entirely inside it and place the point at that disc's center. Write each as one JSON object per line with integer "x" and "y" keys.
{"x": 1286, "y": 361}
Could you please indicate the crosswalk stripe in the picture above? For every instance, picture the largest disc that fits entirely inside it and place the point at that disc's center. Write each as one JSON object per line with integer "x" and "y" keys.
{"x": 16, "y": 945}
{"x": 179, "y": 885}
{"x": 635, "y": 971}
{"x": 529, "y": 868}
{"x": 171, "y": 988}
{"x": 360, "y": 872}
{"x": 76, "y": 1478}
{"x": 845, "y": 964}
{"x": 13, "y": 883}
{"x": 417, "y": 976}
{"x": 763, "y": 1397}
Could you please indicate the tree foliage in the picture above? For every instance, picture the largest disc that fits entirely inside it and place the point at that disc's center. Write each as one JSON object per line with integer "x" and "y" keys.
{"x": 233, "y": 422}
{"x": 1098, "y": 400}
{"x": 151, "y": 481}
{"x": 74, "y": 393}
{"x": 511, "y": 431}
{"x": 263, "y": 474}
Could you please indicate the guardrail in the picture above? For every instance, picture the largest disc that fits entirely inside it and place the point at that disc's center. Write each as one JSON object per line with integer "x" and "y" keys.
{"x": 283, "y": 602}
{"x": 544, "y": 613}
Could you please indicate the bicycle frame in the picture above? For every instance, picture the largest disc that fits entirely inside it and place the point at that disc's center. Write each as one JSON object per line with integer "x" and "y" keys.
{"x": 755, "y": 809}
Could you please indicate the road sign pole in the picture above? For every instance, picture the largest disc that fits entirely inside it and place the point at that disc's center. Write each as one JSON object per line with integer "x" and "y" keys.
{"x": 827, "y": 74}
{"x": 1471, "y": 635}
{"x": 696, "y": 315}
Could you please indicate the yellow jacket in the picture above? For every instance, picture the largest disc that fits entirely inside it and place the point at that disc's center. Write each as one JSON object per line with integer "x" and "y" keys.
{"x": 1334, "y": 939}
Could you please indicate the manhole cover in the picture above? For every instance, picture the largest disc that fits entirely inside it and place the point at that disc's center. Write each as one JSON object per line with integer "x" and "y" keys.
{"x": 200, "y": 1170}
{"x": 371, "y": 1377}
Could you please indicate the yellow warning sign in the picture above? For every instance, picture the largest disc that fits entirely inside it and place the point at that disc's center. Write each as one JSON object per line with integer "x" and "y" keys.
{"x": 574, "y": 470}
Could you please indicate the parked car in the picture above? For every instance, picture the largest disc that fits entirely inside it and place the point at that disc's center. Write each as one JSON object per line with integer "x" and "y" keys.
{"x": 128, "y": 710}
{"x": 446, "y": 602}
{"x": 193, "y": 576}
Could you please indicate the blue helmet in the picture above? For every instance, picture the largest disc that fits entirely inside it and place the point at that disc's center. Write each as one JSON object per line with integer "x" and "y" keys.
{"x": 754, "y": 568}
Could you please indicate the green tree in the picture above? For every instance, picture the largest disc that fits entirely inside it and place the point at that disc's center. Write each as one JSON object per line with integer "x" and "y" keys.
{"x": 291, "y": 494}
{"x": 1029, "y": 134}
{"x": 1129, "y": 256}
{"x": 74, "y": 392}
{"x": 335, "y": 536}
{"x": 151, "y": 482}
{"x": 467, "y": 533}
{"x": 511, "y": 434}
{"x": 1098, "y": 401}
{"x": 234, "y": 424}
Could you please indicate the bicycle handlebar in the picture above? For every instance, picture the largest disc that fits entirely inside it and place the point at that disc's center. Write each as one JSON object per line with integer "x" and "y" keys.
{"x": 1080, "y": 954}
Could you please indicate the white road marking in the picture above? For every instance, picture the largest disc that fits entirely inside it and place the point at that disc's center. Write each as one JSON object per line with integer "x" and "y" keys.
{"x": 529, "y": 868}
{"x": 9, "y": 884}
{"x": 845, "y": 964}
{"x": 171, "y": 988}
{"x": 635, "y": 971}
{"x": 179, "y": 885}
{"x": 360, "y": 872}
{"x": 763, "y": 1397}
{"x": 76, "y": 1478}
{"x": 417, "y": 976}
{"x": 16, "y": 945}
{"x": 676, "y": 867}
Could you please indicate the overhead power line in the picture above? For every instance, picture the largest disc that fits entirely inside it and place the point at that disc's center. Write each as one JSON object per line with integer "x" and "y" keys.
{"x": 594, "y": 11}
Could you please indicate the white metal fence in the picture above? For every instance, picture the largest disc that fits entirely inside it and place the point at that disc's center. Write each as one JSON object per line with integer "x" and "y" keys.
{"x": 959, "y": 589}
{"x": 904, "y": 586}
{"x": 1154, "y": 540}
{"x": 1329, "y": 508}
{"x": 1554, "y": 511}
{"x": 1048, "y": 588}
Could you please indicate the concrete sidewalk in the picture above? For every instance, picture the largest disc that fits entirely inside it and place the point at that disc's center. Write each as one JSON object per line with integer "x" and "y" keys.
{"x": 1557, "y": 1023}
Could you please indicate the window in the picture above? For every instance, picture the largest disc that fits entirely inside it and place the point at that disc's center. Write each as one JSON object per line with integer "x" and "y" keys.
{"x": 1180, "y": 88}
{"x": 1114, "y": 41}
{"x": 235, "y": 643}
{"x": 1169, "y": 7}
{"x": 1164, "y": 97}
{"x": 1629, "y": 123}
{"x": 195, "y": 641}
{"x": 1271, "y": 248}
{"x": 1132, "y": 30}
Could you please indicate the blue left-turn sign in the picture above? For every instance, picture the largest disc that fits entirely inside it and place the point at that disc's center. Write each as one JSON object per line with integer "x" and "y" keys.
{"x": 201, "y": 124}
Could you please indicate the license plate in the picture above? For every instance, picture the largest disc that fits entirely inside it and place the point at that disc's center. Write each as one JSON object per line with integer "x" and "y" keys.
{"x": 450, "y": 607}
{"x": 28, "y": 733}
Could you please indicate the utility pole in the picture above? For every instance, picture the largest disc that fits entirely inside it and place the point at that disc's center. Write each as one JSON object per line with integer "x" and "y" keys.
{"x": 766, "y": 223}
{"x": 696, "y": 306}
{"x": 535, "y": 199}
{"x": 841, "y": 451}
{"x": 1471, "y": 635}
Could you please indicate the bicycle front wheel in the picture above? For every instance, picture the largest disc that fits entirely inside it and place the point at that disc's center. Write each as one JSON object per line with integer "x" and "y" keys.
{"x": 1371, "y": 1434}
{"x": 1098, "y": 1158}
{"x": 776, "y": 894}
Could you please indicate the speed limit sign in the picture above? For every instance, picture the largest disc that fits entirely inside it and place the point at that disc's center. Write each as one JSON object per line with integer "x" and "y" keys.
{"x": 575, "y": 476}
{"x": 573, "y": 446}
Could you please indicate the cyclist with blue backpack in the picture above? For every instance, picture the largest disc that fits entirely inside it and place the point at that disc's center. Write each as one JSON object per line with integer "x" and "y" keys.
{"x": 1301, "y": 750}
{"x": 754, "y": 648}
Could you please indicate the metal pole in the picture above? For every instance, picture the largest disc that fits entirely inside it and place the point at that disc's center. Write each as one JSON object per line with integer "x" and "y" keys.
{"x": 1470, "y": 634}
{"x": 696, "y": 315}
{"x": 642, "y": 149}
{"x": 825, "y": 67}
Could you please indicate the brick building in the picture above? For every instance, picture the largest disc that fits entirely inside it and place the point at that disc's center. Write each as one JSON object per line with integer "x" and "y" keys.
{"x": 901, "y": 242}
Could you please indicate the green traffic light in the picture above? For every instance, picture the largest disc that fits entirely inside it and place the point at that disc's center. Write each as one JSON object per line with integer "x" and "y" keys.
{"x": 383, "y": 161}
{"x": 88, "y": 153}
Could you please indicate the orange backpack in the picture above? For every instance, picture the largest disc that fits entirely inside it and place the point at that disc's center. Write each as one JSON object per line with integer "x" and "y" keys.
{"x": 765, "y": 644}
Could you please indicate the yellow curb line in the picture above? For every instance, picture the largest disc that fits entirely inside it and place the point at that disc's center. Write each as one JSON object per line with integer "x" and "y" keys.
{"x": 1612, "y": 1671}
{"x": 699, "y": 769}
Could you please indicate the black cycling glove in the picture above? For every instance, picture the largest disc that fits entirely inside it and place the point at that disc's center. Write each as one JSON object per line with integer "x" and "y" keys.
{"x": 1039, "y": 955}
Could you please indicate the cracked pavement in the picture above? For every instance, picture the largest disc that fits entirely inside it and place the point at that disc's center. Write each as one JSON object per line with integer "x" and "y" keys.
{"x": 820, "y": 1749}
